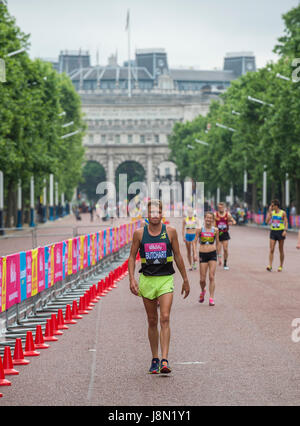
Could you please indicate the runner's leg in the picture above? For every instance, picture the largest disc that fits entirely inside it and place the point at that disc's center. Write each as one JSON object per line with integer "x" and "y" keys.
{"x": 203, "y": 272}
{"x": 225, "y": 250}
{"x": 281, "y": 252}
{"x": 188, "y": 248}
{"x": 271, "y": 254}
{"x": 165, "y": 304}
{"x": 152, "y": 315}
{"x": 212, "y": 265}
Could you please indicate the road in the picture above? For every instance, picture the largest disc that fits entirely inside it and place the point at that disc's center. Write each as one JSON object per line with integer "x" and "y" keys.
{"x": 239, "y": 352}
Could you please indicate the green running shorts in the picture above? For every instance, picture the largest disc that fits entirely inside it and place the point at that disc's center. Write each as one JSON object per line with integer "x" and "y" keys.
{"x": 153, "y": 287}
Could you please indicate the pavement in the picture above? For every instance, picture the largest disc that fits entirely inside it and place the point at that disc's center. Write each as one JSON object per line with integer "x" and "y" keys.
{"x": 240, "y": 352}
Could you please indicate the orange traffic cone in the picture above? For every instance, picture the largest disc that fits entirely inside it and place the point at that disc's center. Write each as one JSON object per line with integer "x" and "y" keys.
{"x": 8, "y": 364}
{"x": 75, "y": 313}
{"x": 60, "y": 321}
{"x": 30, "y": 346}
{"x": 56, "y": 332}
{"x": 68, "y": 316}
{"x": 3, "y": 381}
{"x": 49, "y": 332}
{"x": 18, "y": 358}
{"x": 39, "y": 338}
{"x": 82, "y": 309}
{"x": 87, "y": 302}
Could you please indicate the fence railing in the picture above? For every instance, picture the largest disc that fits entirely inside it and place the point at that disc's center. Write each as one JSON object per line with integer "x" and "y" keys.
{"x": 25, "y": 274}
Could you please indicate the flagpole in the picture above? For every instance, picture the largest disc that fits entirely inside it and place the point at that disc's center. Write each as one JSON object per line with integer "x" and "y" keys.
{"x": 129, "y": 64}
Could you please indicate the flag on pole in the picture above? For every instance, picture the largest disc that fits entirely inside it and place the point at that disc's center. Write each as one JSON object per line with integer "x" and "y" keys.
{"x": 129, "y": 64}
{"x": 127, "y": 20}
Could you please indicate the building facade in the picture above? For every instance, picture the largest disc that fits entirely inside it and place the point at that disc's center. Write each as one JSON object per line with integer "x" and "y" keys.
{"x": 131, "y": 111}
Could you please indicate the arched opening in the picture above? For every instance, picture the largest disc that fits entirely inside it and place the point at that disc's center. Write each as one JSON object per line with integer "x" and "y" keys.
{"x": 93, "y": 173}
{"x": 134, "y": 172}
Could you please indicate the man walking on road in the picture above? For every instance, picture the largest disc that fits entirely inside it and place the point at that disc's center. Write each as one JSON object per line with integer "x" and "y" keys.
{"x": 158, "y": 244}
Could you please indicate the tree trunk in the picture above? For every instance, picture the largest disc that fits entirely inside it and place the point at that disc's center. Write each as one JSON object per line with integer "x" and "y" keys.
{"x": 297, "y": 201}
{"x": 10, "y": 204}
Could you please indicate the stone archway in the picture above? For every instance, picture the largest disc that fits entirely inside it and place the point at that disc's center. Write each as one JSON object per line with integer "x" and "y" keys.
{"x": 134, "y": 171}
{"x": 93, "y": 174}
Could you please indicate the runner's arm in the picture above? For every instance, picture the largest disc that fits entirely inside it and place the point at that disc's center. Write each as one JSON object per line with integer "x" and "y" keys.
{"x": 131, "y": 262}
{"x": 183, "y": 230}
{"x": 298, "y": 245}
{"x": 179, "y": 261}
{"x": 230, "y": 219}
{"x": 218, "y": 244}
{"x": 195, "y": 243}
{"x": 286, "y": 223}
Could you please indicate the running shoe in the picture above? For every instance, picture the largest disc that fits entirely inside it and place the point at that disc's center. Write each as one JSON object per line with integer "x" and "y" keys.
{"x": 202, "y": 296}
{"x": 269, "y": 268}
{"x": 211, "y": 302}
{"x": 279, "y": 269}
{"x": 154, "y": 369}
{"x": 226, "y": 268}
{"x": 165, "y": 367}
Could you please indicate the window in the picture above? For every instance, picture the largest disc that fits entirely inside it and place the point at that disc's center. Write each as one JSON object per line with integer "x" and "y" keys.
{"x": 117, "y": 139}
{"x": 156, "y": 138}
{"x": 142, "y": 139}
{"x": 129, "y": 139}
{"x": 91, "y": 139}
{"x": 103, "y": 139}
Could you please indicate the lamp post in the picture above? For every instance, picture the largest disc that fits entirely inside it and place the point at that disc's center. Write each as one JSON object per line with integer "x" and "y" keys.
{"x": 51, "y": 197}
{"x": 19, "y": 216}
{"x": 287, "y": 198}
{"x": 32, "y": 202}
{"x": 265, "y": 193}
{"x": 44, "y": 208}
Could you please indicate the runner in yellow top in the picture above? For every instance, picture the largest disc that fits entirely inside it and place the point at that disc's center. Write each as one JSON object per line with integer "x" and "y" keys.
{"x": 279, "y": 226}
{"x": 189, "y": 226}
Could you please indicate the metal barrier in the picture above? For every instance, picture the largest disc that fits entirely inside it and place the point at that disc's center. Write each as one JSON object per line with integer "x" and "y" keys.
{"x": 23, "y": 317}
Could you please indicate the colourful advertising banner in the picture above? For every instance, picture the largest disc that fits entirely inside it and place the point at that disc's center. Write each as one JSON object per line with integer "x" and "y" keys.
{"x": 12, "y": 280}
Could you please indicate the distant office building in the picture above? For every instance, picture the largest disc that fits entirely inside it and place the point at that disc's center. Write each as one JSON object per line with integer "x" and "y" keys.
{"x": 240, "y": 63}
{"x": 70, "y": 60}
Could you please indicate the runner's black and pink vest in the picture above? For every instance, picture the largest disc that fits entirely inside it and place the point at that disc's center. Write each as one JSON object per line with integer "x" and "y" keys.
{"x": 156, "y": 254}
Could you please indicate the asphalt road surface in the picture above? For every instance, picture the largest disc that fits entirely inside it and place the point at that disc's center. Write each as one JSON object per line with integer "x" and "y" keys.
{"x": 240, "y": 352}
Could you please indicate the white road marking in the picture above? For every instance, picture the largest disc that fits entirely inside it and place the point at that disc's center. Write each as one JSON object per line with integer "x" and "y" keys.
{"x": 190, "y": 362}
{"x": 93, "y": 363}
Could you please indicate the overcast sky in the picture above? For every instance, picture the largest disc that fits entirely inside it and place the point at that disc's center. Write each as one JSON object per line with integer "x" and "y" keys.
{"x": 194, "y": 33}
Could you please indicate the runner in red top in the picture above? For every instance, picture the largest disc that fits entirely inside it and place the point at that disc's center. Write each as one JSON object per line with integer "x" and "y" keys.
{"x": 222, "y": 220}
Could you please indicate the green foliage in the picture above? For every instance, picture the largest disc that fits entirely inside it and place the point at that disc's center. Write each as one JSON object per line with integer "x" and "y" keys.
{"x": 265, "y": 135}
{"x": 32, "y": 98}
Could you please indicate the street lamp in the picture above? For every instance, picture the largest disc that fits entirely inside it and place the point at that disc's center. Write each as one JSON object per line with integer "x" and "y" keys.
{"x": 68, "y": 124}
{"x": 235, "y": 113}
{"x": 201, "y": 142}
{"x": 16, "y": 52}
{"x": 70, "y": 134}
{"x": 250, "y": 98}
{"x": 225, "y": 127}
{"x": 282, "y": 77}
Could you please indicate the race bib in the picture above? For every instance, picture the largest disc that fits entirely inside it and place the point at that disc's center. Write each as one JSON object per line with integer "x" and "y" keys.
{"x": 156, "y": 253}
